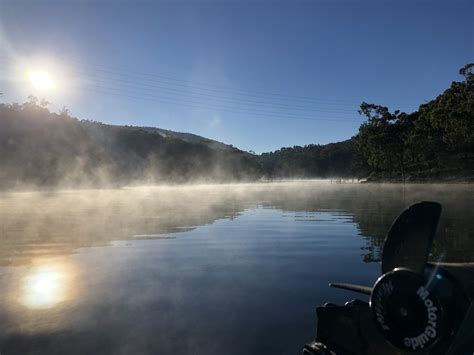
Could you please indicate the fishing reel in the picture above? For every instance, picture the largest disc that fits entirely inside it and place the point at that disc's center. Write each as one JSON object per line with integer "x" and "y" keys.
{"x": 415, "y": 307}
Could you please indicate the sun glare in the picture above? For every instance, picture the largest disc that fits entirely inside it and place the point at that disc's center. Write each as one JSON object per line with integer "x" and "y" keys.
{"x": 45, "y": 286}
{"x": 41, "y": 80}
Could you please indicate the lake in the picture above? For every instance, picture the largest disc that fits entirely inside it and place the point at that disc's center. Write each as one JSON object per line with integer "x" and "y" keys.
{"x": 207, "y": 269}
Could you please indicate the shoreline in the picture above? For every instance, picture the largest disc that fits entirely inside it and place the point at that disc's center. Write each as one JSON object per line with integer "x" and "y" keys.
{"x": 203, "y": 184}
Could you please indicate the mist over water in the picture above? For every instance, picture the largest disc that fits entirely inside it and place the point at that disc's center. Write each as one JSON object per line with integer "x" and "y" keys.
{"x": 211, "y": 269}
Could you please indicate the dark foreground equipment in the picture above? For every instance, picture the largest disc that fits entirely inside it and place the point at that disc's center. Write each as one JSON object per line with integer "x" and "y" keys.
{"x": 415, "y": 307}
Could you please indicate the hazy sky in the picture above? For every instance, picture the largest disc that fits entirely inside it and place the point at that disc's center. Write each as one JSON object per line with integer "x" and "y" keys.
{"x": 256, "y": 74}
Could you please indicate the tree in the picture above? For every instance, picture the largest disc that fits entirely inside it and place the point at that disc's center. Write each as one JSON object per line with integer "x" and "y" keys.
{"x": 32, "y": 100}
{"x": 467, "y": 72}
{"x": 64, "y": 112}
{"x": 44, "y": 103}
{"x": 434, "y": 137}
{"x": 379, "y": 139}
{"x": 452, "y": 113}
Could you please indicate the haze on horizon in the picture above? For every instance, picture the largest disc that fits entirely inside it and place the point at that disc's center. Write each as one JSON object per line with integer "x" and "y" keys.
{"x": 231, "y": 70}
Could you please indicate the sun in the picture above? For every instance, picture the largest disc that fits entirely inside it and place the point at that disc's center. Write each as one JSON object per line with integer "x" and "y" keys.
{"x": 41, "y": 80}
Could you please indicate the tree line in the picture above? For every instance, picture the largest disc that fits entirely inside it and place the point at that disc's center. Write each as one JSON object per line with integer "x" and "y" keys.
{"x": 43, "y": 148}
{"x": 434, "y": 143}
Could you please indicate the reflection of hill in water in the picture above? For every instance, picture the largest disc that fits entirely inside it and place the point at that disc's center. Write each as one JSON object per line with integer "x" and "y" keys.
{"x": 43, "y": 224}
{"x": 374, "y": 208}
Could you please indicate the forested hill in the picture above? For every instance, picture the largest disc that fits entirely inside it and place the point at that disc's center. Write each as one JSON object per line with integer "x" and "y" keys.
{"x": 313, "y": 160}
{"x": 434, "y": 143}
{"x": 187, "y": 137}
{"x": 42, "y": 148}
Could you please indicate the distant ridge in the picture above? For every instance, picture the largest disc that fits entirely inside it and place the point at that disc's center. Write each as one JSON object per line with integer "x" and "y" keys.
{"x": 187, "y": 137}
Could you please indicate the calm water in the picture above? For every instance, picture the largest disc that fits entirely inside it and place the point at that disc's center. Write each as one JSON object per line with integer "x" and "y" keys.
{"x": 227, "y": 269}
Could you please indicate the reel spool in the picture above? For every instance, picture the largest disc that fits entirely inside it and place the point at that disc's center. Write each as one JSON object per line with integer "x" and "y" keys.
{"x": 409, "y": 314}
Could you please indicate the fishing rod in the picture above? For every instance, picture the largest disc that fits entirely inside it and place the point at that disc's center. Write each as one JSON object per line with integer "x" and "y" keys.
{"x": 415, "y": 306}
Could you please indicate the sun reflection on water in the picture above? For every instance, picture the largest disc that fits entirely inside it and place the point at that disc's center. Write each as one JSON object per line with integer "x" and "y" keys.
{"x": 46, "y": 286}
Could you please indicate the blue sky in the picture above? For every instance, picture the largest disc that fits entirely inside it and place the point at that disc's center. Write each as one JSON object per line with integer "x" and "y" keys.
{"x": 256, "y": 74}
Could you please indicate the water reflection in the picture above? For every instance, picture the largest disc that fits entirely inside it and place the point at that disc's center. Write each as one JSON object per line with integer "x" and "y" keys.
{"x": 57, "y": 223}
{"x": 45, "y": 286}
{"x": 204, "y": 269}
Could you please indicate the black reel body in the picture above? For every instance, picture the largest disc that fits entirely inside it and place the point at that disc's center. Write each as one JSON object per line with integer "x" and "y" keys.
{"x": 416, "y": 312}
{"x": 410, "y": 311}
{"x": 415, "y": 307}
